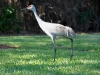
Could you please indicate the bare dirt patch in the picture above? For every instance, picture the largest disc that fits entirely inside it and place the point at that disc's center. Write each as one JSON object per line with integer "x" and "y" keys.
{"x": 4, "y": 46}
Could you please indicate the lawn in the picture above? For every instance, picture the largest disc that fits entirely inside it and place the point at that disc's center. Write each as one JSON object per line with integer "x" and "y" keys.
{"x": 33, "y": 55}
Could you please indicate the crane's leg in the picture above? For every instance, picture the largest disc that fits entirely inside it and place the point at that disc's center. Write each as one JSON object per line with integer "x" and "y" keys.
{"x": 71, "y": 54}
{"x": 54, "y": 51}
{"x": 53, "y": 39}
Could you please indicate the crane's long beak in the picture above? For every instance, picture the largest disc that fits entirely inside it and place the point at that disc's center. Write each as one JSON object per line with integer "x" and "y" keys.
{"x": 23, "y": 9}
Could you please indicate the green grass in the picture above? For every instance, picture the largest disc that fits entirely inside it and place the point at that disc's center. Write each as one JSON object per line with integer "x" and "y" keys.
{"x": 34, "y": 56}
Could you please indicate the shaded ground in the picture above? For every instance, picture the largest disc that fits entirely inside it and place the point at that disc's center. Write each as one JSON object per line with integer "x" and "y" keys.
{"x": 3, "y": 46}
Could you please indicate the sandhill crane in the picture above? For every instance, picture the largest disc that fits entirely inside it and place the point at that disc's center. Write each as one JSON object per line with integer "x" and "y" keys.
{"x": 53, "y": 30}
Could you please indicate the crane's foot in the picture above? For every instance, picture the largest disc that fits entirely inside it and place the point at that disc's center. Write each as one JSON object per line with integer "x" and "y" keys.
{"x": 71, "y": 57}
{"x": 54, "y": 60}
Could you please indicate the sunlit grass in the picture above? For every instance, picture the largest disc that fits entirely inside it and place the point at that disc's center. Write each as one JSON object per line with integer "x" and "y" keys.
{"x": 33, "y": 55}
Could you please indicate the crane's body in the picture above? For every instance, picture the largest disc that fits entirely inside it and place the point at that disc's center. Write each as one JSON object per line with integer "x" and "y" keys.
{"x": 56, "y": 29}
{"x": 53, "y": 30}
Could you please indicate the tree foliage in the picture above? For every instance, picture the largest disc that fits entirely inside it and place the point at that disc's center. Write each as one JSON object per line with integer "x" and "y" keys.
{"x": 8, "y": 21}
{"x": 81, "y": 15}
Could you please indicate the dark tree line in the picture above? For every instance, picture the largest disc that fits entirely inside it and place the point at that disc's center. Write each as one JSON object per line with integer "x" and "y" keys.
{"x": 81, "y": 15}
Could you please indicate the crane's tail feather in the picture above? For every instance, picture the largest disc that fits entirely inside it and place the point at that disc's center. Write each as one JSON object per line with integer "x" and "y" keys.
{"x": 69, "y": 32}
{"x": 73, "y": 34}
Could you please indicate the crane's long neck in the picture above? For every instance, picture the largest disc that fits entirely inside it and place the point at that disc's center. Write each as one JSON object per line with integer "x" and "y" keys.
{"x": 39, "y": 20}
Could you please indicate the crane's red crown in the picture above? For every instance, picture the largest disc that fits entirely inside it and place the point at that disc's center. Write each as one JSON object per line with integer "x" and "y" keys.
{"x": 29, "y": 5}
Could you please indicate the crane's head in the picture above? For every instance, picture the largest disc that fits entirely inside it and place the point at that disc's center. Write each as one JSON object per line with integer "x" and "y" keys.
{"x": 30, "y": 7}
